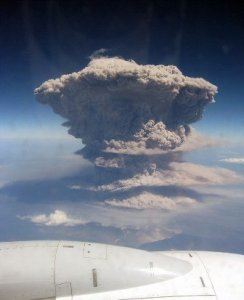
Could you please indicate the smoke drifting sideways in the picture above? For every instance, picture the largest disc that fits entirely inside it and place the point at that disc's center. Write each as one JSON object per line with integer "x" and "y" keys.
{"x": 128, "y": 115}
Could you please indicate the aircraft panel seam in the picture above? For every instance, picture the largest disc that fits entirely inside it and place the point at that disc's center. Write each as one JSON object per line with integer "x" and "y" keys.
{"x": 54, "y": 262}
{"x": 207, "y": 274}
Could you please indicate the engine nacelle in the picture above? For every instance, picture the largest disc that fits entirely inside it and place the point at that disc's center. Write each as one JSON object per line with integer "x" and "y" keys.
{"x": 88, "y": 271}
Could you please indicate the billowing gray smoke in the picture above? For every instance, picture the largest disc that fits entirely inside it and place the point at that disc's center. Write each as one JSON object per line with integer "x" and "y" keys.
{"x": 119, "y": 107}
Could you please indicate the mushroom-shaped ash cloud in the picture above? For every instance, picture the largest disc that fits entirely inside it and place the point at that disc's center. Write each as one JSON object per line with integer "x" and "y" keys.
{"x": 120, "y": 107}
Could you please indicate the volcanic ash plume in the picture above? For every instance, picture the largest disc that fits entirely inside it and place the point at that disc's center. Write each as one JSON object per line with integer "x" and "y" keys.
{"x": 122, "y": 110}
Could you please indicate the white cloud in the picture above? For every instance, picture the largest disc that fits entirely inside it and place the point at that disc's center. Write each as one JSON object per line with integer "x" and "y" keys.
{"x": 234, "y": 160}
{"x": 152, "y": 201}
{"x": 57, "y": 218}
{"x": 75, "y": 187}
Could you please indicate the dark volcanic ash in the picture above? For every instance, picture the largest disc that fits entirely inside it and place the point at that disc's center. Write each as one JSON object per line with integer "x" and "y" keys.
{"x": 121, "y": 109}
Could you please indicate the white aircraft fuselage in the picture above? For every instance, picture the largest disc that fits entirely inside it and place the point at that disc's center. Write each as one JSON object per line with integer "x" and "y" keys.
{"x": 63, "y": 270}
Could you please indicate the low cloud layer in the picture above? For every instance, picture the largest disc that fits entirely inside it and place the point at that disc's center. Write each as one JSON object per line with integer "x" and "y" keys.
{"x": 126, "y": 226}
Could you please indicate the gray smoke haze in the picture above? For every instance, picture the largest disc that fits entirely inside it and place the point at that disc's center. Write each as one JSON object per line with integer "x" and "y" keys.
{"x": 131, "y": 118}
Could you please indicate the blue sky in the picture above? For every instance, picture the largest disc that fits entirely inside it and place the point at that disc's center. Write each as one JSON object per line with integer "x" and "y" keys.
{"x": 47, "y": 191}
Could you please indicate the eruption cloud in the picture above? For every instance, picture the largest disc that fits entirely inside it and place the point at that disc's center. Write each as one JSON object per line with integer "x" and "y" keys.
{"x": 128, "y": 115}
